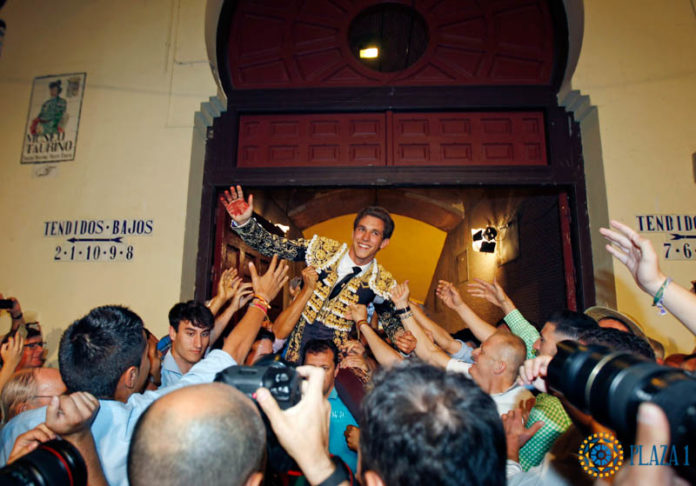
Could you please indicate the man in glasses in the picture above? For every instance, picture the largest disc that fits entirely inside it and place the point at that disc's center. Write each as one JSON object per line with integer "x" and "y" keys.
{"x": 34, "y": 347}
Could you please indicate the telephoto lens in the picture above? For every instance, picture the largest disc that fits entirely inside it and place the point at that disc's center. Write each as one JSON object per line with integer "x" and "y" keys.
{"x": 54, "y": 463}
{"x": 610, "y": 385}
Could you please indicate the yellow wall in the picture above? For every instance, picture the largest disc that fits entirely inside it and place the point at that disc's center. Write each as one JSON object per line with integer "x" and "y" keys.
{"x": 412, "y": 254}
{"x": 147, "y": 73}
{"x": 638, "y": 65}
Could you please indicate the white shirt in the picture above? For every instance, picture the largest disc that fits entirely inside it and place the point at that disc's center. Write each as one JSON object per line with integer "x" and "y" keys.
{"x": 505, "y": 401}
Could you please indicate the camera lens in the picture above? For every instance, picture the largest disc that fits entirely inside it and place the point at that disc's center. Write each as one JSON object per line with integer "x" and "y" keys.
{"x": 53, "y": 463}
{"x": 610, "y": 385}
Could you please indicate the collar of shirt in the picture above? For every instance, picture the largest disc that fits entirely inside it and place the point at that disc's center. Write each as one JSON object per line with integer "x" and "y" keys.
{"x": 345, "y": 266}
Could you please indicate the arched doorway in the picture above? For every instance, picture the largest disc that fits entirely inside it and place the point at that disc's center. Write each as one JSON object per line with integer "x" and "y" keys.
{"x": 490, "y": 75}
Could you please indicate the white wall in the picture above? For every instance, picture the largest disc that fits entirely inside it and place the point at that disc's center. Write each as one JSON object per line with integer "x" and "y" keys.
{"x": 147, "y": 73}
{"x": 638, "y": 66}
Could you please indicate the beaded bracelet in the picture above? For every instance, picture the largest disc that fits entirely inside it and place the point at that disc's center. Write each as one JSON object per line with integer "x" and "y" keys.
{"x": 406, "y": 315}
{"x": 659, "y": 296}
{"x": 263, "y": 301}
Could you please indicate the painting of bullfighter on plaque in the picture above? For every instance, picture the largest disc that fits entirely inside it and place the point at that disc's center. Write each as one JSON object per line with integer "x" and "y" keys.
{"x": 54, "y": 117}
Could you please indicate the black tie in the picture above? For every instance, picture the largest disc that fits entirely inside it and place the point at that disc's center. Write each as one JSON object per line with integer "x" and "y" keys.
{"x": 339, "y": 285}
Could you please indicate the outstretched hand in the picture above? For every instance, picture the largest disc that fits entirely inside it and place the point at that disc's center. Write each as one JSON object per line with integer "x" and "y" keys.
{"x": 637, "y": 253}
{"x": 399, "y": 295}
{"x": 11, "y": 352}
{"x": 269, "y": 284}
{"x": 239, "y": 210}
{"x": 449, "y": 294}
{"x": 492, "y": 292}
{"x": 356, "y": 313}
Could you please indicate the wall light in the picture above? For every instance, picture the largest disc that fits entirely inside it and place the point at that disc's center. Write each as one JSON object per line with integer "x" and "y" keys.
{"x": 371, "y": 52}
{"x": 483, "y": 239}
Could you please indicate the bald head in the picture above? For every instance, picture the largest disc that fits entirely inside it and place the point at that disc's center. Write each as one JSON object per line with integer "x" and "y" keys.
{"x": 510, "y": 349}
{"x": 206, "y": 434}
{"x": 30, "y": 388}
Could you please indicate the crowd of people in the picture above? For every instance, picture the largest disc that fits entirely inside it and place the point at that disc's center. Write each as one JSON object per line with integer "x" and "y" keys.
{"x": 388, "y": 396}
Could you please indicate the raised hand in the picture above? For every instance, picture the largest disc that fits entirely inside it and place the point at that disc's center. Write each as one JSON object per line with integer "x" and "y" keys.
{"x": 310, "y": 277}
{"x": 637, "y": 253}
{"x": 228, "y": 284}
{"x": 241, "y": 296}
{"x": 399, "y": 295}
{"x": 269, "y": 284}
{"x": 239, "y": 211}
{"x": 357, "y": 313}
{"x": 492, "y": 292}
{"x": 405, "y": 341}
{"x": 11, "y": 352}
{"x": 449, "y": 294}
{"x": 72, "y": 414}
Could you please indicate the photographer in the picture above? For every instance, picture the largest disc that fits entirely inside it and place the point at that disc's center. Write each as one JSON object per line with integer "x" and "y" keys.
{"x": 561, "y": 465}
{"x": 70, "y": 417}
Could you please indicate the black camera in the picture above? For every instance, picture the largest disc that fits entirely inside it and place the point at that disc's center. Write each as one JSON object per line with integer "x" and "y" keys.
{"x": 610, "y": 385}
{"x": 277, "y": 375}
{"x": 6, "y": 304}
{"x": 53, "y": 463}
{"x": 283, "y": 382}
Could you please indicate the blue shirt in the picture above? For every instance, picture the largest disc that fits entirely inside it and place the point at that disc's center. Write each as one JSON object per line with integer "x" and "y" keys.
{"x": 464, "y": 354}
{"x": 340, "y": 419}
{"x": 115, "y": 421}
{"x": 170, "y": 372}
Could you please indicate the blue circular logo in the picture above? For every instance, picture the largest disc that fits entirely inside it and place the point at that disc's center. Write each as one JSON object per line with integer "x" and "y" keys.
{"x": 601, "y": 455}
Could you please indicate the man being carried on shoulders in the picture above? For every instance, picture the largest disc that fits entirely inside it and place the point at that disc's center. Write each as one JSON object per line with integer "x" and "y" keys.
{"x": 347, "y": 275}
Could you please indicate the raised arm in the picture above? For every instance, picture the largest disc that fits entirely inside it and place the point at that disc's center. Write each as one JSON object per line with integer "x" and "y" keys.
{"x": 441, "y": 337}
{"x": 425, "y": 348}
{"x": 450, "y": 296}
{"x": 238, "y": 294}
{"x": 266, "y": 287}
{"x": 254, "y": 234}
{"x": 287, "y": 320}
{"x": 70, "y": 416}
{"x": 638, "y": 255}
{"x": 15, "y": 313}
{"x": 11, "y": 353}
{"x": 384, "y": 354}
{"x": 226, "y": 288}
{"x": 494, "y": 293}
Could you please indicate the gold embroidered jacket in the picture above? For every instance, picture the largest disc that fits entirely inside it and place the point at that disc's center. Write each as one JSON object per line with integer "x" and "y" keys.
{"x": 324, "y": 254}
